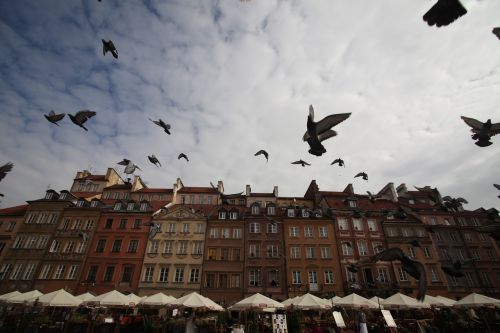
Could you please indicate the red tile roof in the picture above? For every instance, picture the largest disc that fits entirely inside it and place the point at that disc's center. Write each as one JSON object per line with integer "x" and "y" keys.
{"x": 85, "y": 194}
{"x": 154, "y": 190}
{"x": 14, "y": 210}
{"x": 191, "y": 189}
{"x": 125, "y": 186}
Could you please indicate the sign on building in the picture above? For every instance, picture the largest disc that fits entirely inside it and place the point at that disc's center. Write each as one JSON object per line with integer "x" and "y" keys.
{"x": 279, "y": 323}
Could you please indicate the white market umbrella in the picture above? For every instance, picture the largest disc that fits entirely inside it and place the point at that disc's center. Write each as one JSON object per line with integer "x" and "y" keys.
{"x": 447, "y": 301}
{"x": 376, "y": 299}
{"x": 159, "y": 299}
{"x": 433, "y": 301}
{"x": 195, "y": 300}
{"x": 477, "y": 300}
{"x": 309, "y": 302}
{"x": 134, "y": 298}
{"x": 256, "y": 301}
{"x": 334, "y": 299}
{"x": 355, "y": 301}
{"x": 85, "y": 297}
{"x": 289, "y": 301}
{"x": 29, "y": 296}
{"x": 402, "y": 301}
{"x": 59, "y": 298}
{"x": 5, "y": 297}
{"x": 112, "y": 298}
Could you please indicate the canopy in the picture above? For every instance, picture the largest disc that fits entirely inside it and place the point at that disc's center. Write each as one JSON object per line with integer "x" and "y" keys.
{"x": 355, "y": 301}
{"x": 5, "y": 297}
{"x": 289, "y": 301}
{"x": 376, "y": 299}
{"x": 476, "y": 300}
{"x": 402, "y": 301}
{"x": 433, "y": 301}
{"x": 59, "y": 298}
{"x": 29, "y": 296}
{"x": 158, "y": 299}
{"x": 256, "y": 301}
{"x": 309, "y": 302}
{"x": 112, "y": 298}
{"x": 85, "y": 297}
{"x": 134, "y": 298}
{"x": 195, "y": 300}
{"x": 447, "y": 301}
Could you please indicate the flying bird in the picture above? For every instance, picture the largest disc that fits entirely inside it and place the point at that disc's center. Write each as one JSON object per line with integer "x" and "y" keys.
{"x": 182, "y": 155}
{"x": 321, "y": 130}
{"x": 497, "y": 187}
{"x": 444, "y": 12}
{"x": 363, "y": 175}
{"x": 414, "y": 268}
{"x": 109, "y": 46}
{"x": 154, "y": 160}
{"x": 482, "y": 132}
{"x": 162, "y": 124}
{"x": 455, "y": 269}
{"x": 155, "y": 229}
{"x": 339, "y": 161}
{"x": 124, "y": 162}
{"x": 262, "y": 152}
{"x": 496, "y": 31}
{"x": 372, "y": 197}
{"x": 54, "y": 118}
{"x": 130, "y": 168}
{"x": 81, "y": 117}
{"x": 301, "y": 163}
{"x": 7, "y": 167}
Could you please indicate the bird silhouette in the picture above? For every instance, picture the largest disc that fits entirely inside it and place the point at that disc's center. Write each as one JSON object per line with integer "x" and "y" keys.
{"x": 130, "y": 168}
{"x": 321, "y": 130}
{"x": 301, "y": 163}
{"x": 54, "y": 118}
{"x": 414, "y": 268}
{"x": 4, "y": 169}
{"x": 124, "y": 162}
{"x": 162, "y": 124}
{"x": 497, "y": 187}
{"x": 455, "y": 269}
{"x": 155, "y": 229}
{"x": 154, "y": 160}
{"x": 81, "y": 117}
{"x": 496, "y": 32}
{"x": 373, "y": 197}
{"x": 363, "y": 175}
{"x": 109, "y": 46}
{"x": 482, "y": 132}
{"x": 444, "y": 12}
{"x": 262, "y": 152}
{"x": 339, "y": 161}
{"x": 182, "y": 155}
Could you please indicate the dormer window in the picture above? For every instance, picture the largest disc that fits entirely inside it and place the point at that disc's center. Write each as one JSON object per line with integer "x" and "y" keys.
{"x": 271, "y": 210}
{"x": 233, "y": 215}
{"x": 411, "y": 202}
{"x": 118, "y": 206}
{"x": 255, "y": 209}
{"x": 290, "y": 212}
{"x": 80, "y": 203}
{"x": 94, "y": 203}
{"x": 222, "y": 215}
{"x": 305, "y": 212}
{"x": 352, "y": 203}
{"x": 107, "y": 195}
{"x": 63, "y": 196}
{"x": 144, "y": 206}
{"x": 49, "y": 195}
{"x": 125, "y": 195}
{"x": 130, "y": 206}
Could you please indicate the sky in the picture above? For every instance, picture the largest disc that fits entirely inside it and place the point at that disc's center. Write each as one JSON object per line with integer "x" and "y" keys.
{"x": 233, "y": 77}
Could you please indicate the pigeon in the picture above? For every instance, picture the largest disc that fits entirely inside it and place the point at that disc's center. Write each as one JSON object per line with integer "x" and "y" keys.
{"x": 444, "y": 12}
{"x": 263, "y": 152}
{"x": 493, "y": 230}
{"x": 162, "y": 124}
{"x": 54, "y": 118}
{"x": 124, "y": 162}
{"x": 81, "y": 117}
{"x": 414, "y": 268}
{"x": 301, "y": 163}
{"x": 155, "y": 229}
{"x": 454, "y": 270}
{"x": 339, "y": 161}
{"x": 497, "y": 187}
{"x": 321, "y": 130}
{"x": 5, "y": 168}
{"x": 109, "y": 46}
{"x": 182, "y": 155}
{"x": 130, "y": 168}
{"x": 496, "y": 31}
{"x": 154, "y": 160}
{"x": 362, "y": 174}
{"x": 482, "y": 132}
{"x": 373, "y": 197}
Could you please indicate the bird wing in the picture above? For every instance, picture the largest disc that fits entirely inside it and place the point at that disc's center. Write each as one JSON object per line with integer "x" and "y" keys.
{"x": 496, "y": 186}
{"x": 422, "y": 280}
{"x": 496, "y": 31}
{"x": 495, "y": 129}
{"x": 104, "y": 49}
{"x": 5, "y": 168}
{"x": 84, "y": 115}
{"x": 444, "y": 12}
{"x": 57, "y": 117}
{"x": 330, "y": 121}
{"x": 475, "y": 124}
{"x": 124, "y": 162}
{"x": 297, "y": 162}
{"x": 260, "y": 152}
{"x": 361, "y": 174}
{"x": 336, "y": 161}
{"x": 447, "y": 198}
{"x": 462, "y": 200}
{"x": 326, "y": 135}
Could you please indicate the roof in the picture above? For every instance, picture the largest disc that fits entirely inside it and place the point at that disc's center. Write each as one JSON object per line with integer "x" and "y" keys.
{"x": 125, "y": 186}
{"x": 190, "y": 189}
{"x": 85, "y": 194}
{"x": 154, "y": 190}
{"x": 14, "y": 210}
{"x": 262, "y": 195}
{"x": 93, "y": 177}
{"x": 205, "y": 210}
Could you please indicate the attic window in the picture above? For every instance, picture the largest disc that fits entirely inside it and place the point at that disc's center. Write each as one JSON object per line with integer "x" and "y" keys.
{"x": 118, "y": 206}
{"x": 352, "y": 203}
{"x": 94, "y": 203}
{"x": 222, "y": 215}
{"x": 63, "y": 195}
{"x": 49, "y": 195}
{"x": 255, "y": 209}
{"x": 271, "y": 210}
{"x": 130, "y": 206}
{"x": 144, "y": 206}
{"x": 233, "y": 215}
{"x": 80, "y": 203}
{"x": 290, "y": 212}
{"x": 305, "y": 212}
{"x": 411, "y": 201}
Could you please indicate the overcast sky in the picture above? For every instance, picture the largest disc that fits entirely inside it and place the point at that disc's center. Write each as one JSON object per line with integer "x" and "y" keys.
{"x": 235, "y": 77}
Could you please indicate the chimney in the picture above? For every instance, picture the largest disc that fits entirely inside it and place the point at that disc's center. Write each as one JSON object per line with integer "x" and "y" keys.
{"x": 248, "y": 190}
{"x": 275, "y": 191}
{"x": 220, "y": 186}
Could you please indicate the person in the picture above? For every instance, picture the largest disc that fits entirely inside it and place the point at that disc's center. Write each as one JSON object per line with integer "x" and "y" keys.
{"x": 362, "y": 322}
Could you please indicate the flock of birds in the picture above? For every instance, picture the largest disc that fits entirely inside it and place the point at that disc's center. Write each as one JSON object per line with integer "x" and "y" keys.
{"x": 442, "y": 13}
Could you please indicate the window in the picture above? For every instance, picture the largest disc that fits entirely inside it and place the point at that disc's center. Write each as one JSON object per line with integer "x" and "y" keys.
{"x": 254, "y": 251}
{"x": 377, "y": 248}
{"x": 123, "y": 224}
{"x": 271, "y": 210}
{"x": 475, "y": 254}
{"x": 55, "y": 247}
{"x": 294, "y": 232}
{"x": 421, "y": 232}
{"x": 18, "y": 268}
{"x": 313, "y": 277}
{"x": 171, "y": 228}
{"x": 80, "y": 203}
{"x": 59, "y": 273}
{"x": 236, "y": 254}
{"x": 163, "y": 274}
{"x": 407, "y": 232}
{"x": 89, "y": 224}
{"x": 168, "y": 247}
{"x": 254, "y": 277}
{"x": 272, "y": 251}
{"x": 290, "y": 212}
{"x": 108, "y": 273}
{"x": 310, "y": 253}
{"x": 185, "y": 228}
{"x": 358, "y": 224}
{"x": 153, "y": 248}
{"x": 412, "y": 252}
{"x": 439, "y": 237}
{"x": 199, "y": 228}
{"x": 101, "y": 244}
{"x": 427, "y": 252}
{"x": 233, "y": 215}
{"x": 210, "y": 280}
{"x": 31, "y": 242}
{"x": 197, "y": 248}
{"x": 69, "y": 247}
{"x": 352, "y": 203}
{"x": 453, "y": 236}
{"x": 194, "y": 277}
{"x": 468, "y": 237}
{"x": 323, "y": 232}
{"x": 148, "y": 274}
{"x": 44, "y": 273}
{"x": 308, "y": 232}
{"x": 11, "y": 226}
{"x": 130, "y": 206}
{"x": 235, "y": 281}
{"x": 295, "y": 252}
{"x": 485, "y": 278}
{"x": 460, "y": 254}
{"x": 81, "y": 247}
{"x": 31, "y": 218}
{"x": 490, "y": 254}
{"x": 362, "y": 248}
{"x": 222, "y": 215}
{"x": 18, "y": 243}
{"x": 434, "y": 274}
{"x": 469, "y": 278}
{"x": 255, "y": 209}
{"x": 382, "y": 275}
{"x": 296, "y": 278}
{"x": 179, "y": 275}
{"x": 182, "y": 247}
{"x": 305, "y": 212}
{"x": 109, "y": 223}
{"x": 117, "y": 244}
{"x": 237, "y": 233}
{"x": 28, "y": 272}
{"x": 143, "y": 206}
{"x": 118, "y": 205}
{"x": 127, "y": 274}
{"x": 42, "y": 241}
{"x": 343, "y": 224}
{"x": 392, "y": 232}
{"x": 325, "y": 252}
{"x": 73, "y": 269}
{"x": 272, "y": 228}
{"x": 402, "y": 274}
{"x": 209, "y": 200}
{"x": 273, "y": 278}
{"x": 254, "y": 228}
{"x": 347, "y": 249}
{"x": 225, "y": 233}
{"x": 329, "y": 277}
{"x": 483, "y": 237}
{"x": 94, "y": 203}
